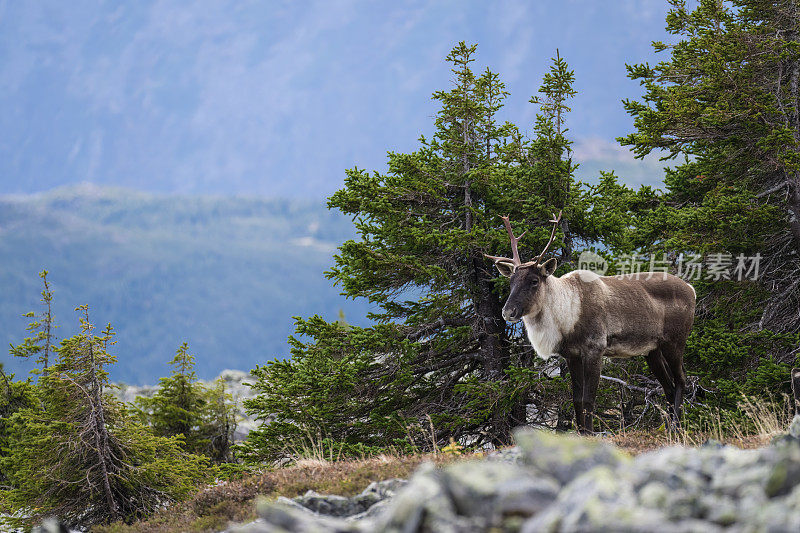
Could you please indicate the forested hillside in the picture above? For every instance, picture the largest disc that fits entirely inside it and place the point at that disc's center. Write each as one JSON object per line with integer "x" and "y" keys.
{"x": 224, "y": 274}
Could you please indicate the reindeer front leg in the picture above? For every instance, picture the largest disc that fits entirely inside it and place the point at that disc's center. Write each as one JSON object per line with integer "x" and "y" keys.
{"x": 575, "y": 364}
{"x": 592, "y": 365}
{"x": 584, "y": 371}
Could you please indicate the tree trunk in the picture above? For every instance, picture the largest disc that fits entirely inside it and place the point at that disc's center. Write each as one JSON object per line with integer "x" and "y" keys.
{"x": 793, "y": 201}
{"x": 494, "y": 349}
{"x": 101, "y": 432}
{"x": 793, "y": 111}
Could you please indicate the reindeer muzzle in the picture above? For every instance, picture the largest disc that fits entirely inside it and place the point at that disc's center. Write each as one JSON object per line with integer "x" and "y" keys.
{"x": 512, "y": 314}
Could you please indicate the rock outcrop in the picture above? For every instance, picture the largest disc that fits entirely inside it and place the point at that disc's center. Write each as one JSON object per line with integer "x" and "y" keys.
{"x": 563, "y": 483}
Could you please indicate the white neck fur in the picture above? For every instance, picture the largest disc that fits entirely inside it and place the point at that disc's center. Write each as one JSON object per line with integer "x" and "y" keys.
{"x": 559, "y": 314}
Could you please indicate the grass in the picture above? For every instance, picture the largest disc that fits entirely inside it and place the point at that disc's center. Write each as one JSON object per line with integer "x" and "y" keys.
{"x": 213, "y": 508}
{"x": 759, "y": 421}
{"x": 640, "y": 441}
{"x": 321, "y": 470}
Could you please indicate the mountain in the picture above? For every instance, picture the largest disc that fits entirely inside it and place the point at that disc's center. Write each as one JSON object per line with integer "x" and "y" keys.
{"x": 278, "y": 98}
{"x": 225, "y": 274}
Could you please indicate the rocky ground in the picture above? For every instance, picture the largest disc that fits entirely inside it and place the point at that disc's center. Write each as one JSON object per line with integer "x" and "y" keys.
{"x": 563, "y": 483}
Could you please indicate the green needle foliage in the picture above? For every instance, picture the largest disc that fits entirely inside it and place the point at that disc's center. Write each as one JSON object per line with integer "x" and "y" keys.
{"x": 74, "y": 452}
{"x": 726, "y": 101}
{"x": 440, "y": 362}
{"x": 725, "y": 105}
{"x": 19, "y": 395}
{"x": 176, "y": 408}
{"x": 203, "y": 416}
{"x": 218, "y": 424}
{"x": 14, "y": 396}
{"x": 41, "y": 344}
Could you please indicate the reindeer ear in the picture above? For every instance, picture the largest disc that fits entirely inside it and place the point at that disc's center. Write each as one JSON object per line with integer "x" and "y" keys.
{"x": 506, "y": 268}
{"x": 548, "y": 267}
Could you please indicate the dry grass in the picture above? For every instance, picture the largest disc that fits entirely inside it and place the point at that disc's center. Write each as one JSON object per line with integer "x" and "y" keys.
{"x": 213, "y": 508}
{"x": 640, "y": 441}
{"x": 762, "y": 421}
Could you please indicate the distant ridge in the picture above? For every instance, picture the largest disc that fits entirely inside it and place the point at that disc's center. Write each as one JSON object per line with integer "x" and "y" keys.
{"x": 225, "y": 274}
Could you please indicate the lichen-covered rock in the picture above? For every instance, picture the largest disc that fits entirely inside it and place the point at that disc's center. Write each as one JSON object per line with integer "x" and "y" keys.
{"x": 683, "y": 489}
{"x": 423, "y": 505}
{"x": 314, "y": 512}
{"x": 564, "y": 457}
{"x": 473, "y": 485}
{"x": 511, "y": 455}
{"x": 794, "y": 427}
{"x": 561, "y": 483}
{"x": 283, "y": 517}
{"x": 489, "y": 493}
{"x": 524, "y": 496}
{"x": 601, "y": 499}
{"x": 343, "y": 507}
{"x": 50, "y": 525}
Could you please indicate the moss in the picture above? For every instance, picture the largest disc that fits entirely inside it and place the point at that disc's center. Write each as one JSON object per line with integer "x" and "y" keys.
{"x": 777, "y": 479}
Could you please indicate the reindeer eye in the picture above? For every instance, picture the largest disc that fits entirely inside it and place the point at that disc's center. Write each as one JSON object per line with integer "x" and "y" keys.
{"x": 535, "y": 281}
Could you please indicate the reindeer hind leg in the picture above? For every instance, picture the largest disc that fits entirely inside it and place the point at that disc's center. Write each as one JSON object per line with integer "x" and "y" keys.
{"x": 592, "y": 366}
{"x": 658, "y": 366}
{"x": 673, "y": 359}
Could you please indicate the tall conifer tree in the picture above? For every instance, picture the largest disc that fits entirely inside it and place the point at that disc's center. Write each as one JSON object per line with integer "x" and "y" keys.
{"x": 725, "y": 105}
{"x": 440, "y": 360}
{"x": 727, "y": 101}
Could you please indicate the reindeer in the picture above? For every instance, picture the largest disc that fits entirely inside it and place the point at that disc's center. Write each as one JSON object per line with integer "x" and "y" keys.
{"x": 584, "y": 317}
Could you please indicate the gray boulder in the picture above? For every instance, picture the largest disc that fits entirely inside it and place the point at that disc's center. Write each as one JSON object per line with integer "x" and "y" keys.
{"x": 564, "y": 457}
{"x": 564, "y": 483}
{"x": 340, "y": 506}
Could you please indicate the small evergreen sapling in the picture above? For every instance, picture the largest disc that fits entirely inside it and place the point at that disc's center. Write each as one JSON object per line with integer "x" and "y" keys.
{"x": 182, "y": 406}
{"x": 41, "y": 343}
{"x": 78, "y": 455}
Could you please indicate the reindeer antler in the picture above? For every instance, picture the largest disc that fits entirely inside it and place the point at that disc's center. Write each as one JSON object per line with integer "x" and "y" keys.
{"x": 555, "y": 221}
{"x": 514, "y": 240}
{"x": 515, "y": 260}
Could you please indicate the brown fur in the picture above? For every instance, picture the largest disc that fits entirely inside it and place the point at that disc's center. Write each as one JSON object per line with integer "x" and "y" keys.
{"x": 589, "y": 317}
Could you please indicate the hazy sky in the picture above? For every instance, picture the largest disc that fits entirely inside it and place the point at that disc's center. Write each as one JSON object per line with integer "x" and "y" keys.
{"x": 278, "y": 98}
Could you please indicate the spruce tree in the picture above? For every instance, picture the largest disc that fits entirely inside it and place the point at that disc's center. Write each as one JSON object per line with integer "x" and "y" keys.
{"x": 18, "y": 395}
{"x": 175, "y": 408}
{"x": 77, "y": 454}
{"x": 726, "y": 102}
{"x": 14, "y": 396}
{"x": 182, "y": 406}
{"x": 218, "y": 423}
{"x": 440, "y": 362}
{"x": 724, "y": 105}
{"x": 42, "y": 326}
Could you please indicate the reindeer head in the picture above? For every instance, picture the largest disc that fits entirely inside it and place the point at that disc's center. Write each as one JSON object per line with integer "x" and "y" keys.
{"x": 526, "y": 278}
